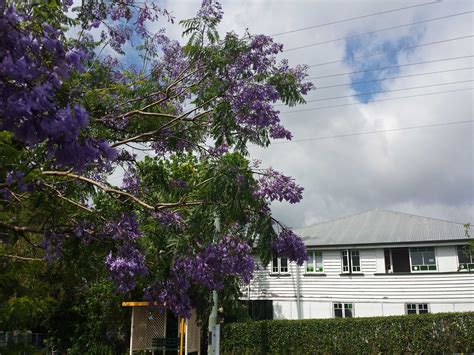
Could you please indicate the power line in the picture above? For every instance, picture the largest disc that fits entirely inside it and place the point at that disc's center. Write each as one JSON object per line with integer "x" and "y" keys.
{"x": 377, "y": 31}
{"x": 390, "y": 67}
{"x": 387, "y": 52}
{"x": 375, "y": 132}
{"x": 390, "y": 99}
{"x": 391, "y": 78}
{"x": 355, "y": 18}
{"x": 385, "y": 91}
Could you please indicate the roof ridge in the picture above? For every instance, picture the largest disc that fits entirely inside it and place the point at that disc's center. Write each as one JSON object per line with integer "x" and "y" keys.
{"x": 378, "y": 209}
{"x": 338, "y": 218}
{"x": 420, "y": 216}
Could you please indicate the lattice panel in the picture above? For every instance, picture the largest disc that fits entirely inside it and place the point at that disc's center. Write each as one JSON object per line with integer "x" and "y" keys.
{"x": 194, "y": 334}
{"x": 156, "y": 326}
{"x": 147, "y": 324}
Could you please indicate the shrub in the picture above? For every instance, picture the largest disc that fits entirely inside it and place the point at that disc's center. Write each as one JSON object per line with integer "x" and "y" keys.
{"x": 424, "y": 333}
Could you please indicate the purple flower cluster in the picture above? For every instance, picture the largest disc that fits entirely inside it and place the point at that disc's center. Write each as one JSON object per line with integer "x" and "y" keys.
{"x": 33, "y": 65}
{"x": 172, "y": 294}
{"x": 170, "y": 219}
{"x": 172, "y": 63}
{"x": 126, "y": 229}
{"x": 125, "y": 267}
{"x": 208, "y": 268}
{"x": 289, "y": 245}
{"x": 179, "y": 184}
{"x": 210, "y": 9}
{"x": 229, "y": 257}
{"x": 280, "y": 132}
{"x": 18, "y": 178}
{"x": 276, "y": 186}
{"x": 252, "y": 104}
{"x": 251, "y": 97}
{"x": 130, "y": 182}
{"x": 118, "y": 36}
{"x": 84, "y": 231}
{"x": 129, "y": 262}
{"x": 219, "y": 150}
{"x": 299, "y": 73}
{"x": 118, "y": 16}
{"x": 52, "y": 243}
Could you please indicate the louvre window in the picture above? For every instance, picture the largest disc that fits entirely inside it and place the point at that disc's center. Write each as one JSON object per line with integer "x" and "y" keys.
{"x": 417, "y": 308}
{"x": 465, "y": 258}
{"x": 350, "y": 261}
{"x": 279, "y": 265}
{"x": 343, "y": 310}
{"x": 423, "y": 259}
{"x": 315, "y": 261}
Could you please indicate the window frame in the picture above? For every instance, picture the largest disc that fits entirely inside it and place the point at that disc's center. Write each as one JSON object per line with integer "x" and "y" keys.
{"x": 465, "y": 266}
{"x": 350, "y": 262}
{"x": 343, "y": 309}
{"x": 313, "y": 255}
{"x": 412, "y": 266}
{"x": 418, "y": 308}
{"x": 278, "y": 266}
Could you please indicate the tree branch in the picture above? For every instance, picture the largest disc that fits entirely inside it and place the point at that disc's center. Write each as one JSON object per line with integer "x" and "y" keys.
{"x": 21, "y": 257}
{"x": 60, "y": 195}
{"x": 156, "y": 131}
{"x": 100, "y": 186}
{"x": 19, "y": 229}
{"x": 135, "y": 199}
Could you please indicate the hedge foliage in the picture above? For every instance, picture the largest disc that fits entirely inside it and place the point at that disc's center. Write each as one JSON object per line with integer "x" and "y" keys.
{"x": 425, "y": 333}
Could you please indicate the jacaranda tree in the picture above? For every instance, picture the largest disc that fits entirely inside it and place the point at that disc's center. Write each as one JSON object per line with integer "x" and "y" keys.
{"x": 176, "y": 123}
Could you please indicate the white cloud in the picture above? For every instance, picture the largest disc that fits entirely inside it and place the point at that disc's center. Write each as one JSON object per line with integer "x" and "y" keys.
{"x": 425, "y": 171}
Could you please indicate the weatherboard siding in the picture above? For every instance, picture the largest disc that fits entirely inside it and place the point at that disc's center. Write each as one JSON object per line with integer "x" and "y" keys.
{"x": 373, "y": 293}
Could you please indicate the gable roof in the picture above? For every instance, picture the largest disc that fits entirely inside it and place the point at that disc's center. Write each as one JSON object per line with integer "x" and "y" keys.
{"x": 381, "y": 227}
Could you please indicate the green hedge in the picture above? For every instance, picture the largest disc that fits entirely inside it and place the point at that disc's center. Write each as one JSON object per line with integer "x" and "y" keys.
{"x": 425, "y": 333}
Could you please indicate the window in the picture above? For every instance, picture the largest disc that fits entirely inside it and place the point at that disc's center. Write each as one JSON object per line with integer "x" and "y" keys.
{"x": 465, "y": 258}
{"x": 350, "y": 261}
{"x": 257, "y": 310}
{"x": 416, "y": 308}
{"x": 423, "y": 259}
{"x": 343, "y": 310}
{"x": 315, "y": 261}
{"x": 279, "y": 265}
{"x": 397, "y": 260}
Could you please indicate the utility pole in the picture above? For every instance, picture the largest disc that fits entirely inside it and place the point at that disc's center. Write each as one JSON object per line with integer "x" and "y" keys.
{"x": 214, "y": 330}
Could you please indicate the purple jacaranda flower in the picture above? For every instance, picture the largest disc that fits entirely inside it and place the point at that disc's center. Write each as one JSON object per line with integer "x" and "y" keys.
{"x": 289, "y": 245}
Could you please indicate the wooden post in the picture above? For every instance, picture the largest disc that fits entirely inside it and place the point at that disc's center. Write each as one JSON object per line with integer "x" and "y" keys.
{"x": 181, "y": 336}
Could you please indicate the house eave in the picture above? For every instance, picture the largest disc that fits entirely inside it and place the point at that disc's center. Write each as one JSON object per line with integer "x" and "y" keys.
{"x": 388, "y": 244}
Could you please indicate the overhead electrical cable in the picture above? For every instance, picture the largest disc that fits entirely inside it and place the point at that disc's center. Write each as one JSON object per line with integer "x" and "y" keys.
{"x": 390, "y": 67}
{"x": 377, "y": 31}
{"x": 375, "y": 132}
{"x": 385, "y": 91}
{"x": 355, "y": 18}
{"x": 391, "y": 78}
{"x": 379, "y": 100}
{"x": 391, "y": 52}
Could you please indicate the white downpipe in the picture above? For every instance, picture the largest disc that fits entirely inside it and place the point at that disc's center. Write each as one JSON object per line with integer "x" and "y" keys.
{"x": 213, "y": 345}
{"x": 131, "y": 331}
{"x": 186, "y": 337}
{"x": 298, "y": 293}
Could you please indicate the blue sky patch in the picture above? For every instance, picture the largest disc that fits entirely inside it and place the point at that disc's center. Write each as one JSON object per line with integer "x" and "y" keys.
{"x": 357, "y": 47}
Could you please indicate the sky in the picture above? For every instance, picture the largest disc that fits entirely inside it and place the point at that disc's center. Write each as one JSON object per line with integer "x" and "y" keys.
{"x": 426, "y": 171}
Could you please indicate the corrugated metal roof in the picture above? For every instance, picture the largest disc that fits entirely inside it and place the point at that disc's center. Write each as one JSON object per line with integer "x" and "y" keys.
{"x": 380, "y": 227}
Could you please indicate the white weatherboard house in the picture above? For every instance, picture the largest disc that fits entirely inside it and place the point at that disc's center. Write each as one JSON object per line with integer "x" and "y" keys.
{"x": 375, "y": 263}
